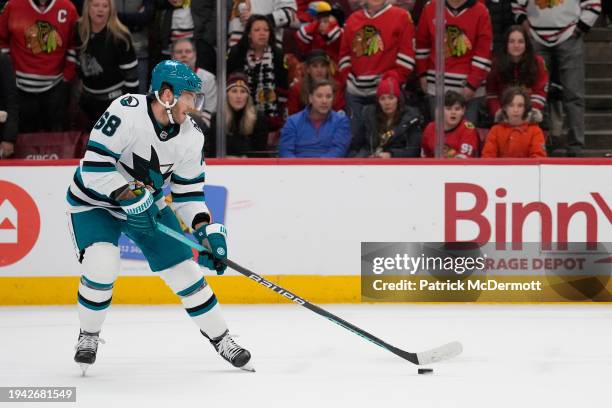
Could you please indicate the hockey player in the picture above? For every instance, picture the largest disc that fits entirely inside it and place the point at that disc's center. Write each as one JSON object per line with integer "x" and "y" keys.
{"x": 140, "y": 144}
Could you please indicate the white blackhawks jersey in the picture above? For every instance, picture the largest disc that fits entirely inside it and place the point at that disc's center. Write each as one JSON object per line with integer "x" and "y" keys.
{"x": 127, "y": 145}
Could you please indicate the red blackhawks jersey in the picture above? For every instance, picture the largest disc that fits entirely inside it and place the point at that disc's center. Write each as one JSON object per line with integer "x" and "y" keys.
{"x": 538, "y": 91}
{"x": 41, "y": 43}
{"x": 468, "y": 41}
{"x": 460, "y": 142}
{"x": 373, "y": 45}
{"x": 309, "y": 38}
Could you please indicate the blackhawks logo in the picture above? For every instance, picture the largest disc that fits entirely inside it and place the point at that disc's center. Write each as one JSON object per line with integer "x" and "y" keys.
{"x": 42, "y": 37}
{"x": 457, "y": 43}
{"x": 544, "y": 4}
{"x": 367, "y": 41}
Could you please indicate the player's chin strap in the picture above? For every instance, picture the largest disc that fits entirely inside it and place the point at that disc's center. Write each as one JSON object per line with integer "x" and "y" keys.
{"x": 167, "y": 106}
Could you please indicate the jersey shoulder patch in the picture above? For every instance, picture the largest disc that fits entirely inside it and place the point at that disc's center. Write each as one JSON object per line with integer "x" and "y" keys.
{"x": 195, "y": 124}
{"x": 129, "y": 101}
{"x": 469, "y": 125}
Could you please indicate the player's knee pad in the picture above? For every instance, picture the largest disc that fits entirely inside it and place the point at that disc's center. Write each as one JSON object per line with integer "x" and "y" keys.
{"x": 101, "y": 263}
{"x": 184, "y": 278}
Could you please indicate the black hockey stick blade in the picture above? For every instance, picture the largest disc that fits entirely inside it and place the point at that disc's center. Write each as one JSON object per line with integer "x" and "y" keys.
{"x": 434, "y": 355}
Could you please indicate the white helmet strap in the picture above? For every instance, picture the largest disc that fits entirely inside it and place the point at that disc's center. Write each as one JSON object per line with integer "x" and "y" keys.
{"x": 168, "y": 106}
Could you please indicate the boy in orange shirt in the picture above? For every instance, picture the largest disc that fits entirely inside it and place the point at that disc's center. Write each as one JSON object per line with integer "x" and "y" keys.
{"x": 515, "y": 136}
{"x": 460, "y": 136}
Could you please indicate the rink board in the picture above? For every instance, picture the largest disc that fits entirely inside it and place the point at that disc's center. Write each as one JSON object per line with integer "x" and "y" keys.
{"x": 300, "y": 222}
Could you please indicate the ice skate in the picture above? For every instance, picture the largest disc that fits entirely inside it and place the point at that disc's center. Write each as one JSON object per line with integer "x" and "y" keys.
{"x": 232, "y": 352}
{"x": 86, "y": 350}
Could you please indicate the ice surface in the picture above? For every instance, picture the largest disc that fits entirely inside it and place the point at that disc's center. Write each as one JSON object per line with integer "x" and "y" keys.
{"x": 514, "y": 356}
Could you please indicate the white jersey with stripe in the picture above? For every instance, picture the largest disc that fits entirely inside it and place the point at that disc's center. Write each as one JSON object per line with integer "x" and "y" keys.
{"x": 127, "y": 146}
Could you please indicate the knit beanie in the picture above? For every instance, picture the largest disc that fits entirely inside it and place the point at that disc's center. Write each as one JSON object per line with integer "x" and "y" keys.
{"x": 389, "y": 85}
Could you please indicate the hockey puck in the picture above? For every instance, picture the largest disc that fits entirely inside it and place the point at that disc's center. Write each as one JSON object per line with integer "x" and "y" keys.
{"x": 425, "y": 370}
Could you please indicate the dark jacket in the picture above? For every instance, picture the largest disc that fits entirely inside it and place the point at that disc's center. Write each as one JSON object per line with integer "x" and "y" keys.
{"x": 405, "y": 142}
{"x": 238, "y": 144}
{"x": 137, "y": 15}
{"x": 237, "y": 61}
{"x": 501, "y": 19}
{"x": 8, "y": 100}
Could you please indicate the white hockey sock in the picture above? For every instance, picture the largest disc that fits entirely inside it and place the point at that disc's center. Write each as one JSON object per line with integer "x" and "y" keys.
{"x": 100, "y": 268}
{"x": 94, "y": 301}
{"x": 187, "y": 281}
{"x": 205, "y": 311}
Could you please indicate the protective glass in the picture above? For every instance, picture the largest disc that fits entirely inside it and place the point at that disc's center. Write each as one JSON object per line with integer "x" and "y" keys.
{"x": 193, "y": 99}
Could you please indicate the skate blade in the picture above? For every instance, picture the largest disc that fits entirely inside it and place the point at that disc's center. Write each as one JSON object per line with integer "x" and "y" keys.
{"x": 248, "y": 367}
{"x": 84, "y": 368}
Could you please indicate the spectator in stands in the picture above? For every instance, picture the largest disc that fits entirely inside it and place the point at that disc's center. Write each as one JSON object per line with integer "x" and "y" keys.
{"x": 204, "y": 14}
{"x": 501, "y": 20}
{"x": 173, "y": 21}
{"x": 246, "y": 130}
{"x": 317, "y": 131}
{"x": 281, "y": 13}
{"x": 517, "y": 65}
{"x": 469, "y": 38}
{"x": 377, "y": 39}
{"x": 107, "y": 61}
{"x": 43, "y": 53}
{"x": 323, "y": 33}
{"x": 9, "y": 109}
{"x": 514, "y": 136}
{"x": 318, "y": 67}
{"x": 460, "y": 135}
{"x": 607, "y": 10}
{"x": 391, "y": 129}
{"x": 184, "y": 50}
{"x": 258, "y": 57}
{"x": 136, "y": 15}
{"x": 558, "y": 28}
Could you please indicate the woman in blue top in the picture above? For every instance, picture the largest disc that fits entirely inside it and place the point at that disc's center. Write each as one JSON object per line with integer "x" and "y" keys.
{"x": 317, "y": 131}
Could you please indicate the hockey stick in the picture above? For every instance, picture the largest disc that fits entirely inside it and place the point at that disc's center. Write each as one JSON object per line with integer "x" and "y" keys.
{"x": 434, "y": 355}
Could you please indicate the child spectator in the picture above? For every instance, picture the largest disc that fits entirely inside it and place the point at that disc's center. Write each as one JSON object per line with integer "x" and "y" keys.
{"x": 323, "y": 33}
{"x": 281, "y": 13}
{"x": 515, "y": 136}
{"x": 376, "y": 40}
{"x": 517, "y": 65}
{"x": 184, "y": 50}
{"x": 258, "y": 57}
{"x": 40, "y": 39}
{"x": 468, "y": 41}
{"x": 246, "y": 131}
{"x": 107, "y": 62}
{"x": 317, "y": 131}
{"x": 9, "y": 110}
{"x": 391, "y": 129}
{"x": 460, "y": 136}
{"x": 318, "y": 67}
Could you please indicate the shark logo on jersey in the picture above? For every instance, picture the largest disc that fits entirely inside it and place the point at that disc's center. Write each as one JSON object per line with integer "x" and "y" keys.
{"x": 148, "y": 171}
{"x": 129, "y": 101}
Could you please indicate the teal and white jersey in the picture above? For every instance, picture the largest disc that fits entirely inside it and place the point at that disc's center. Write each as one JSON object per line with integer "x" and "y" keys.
{"x": 127, "y": 145}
